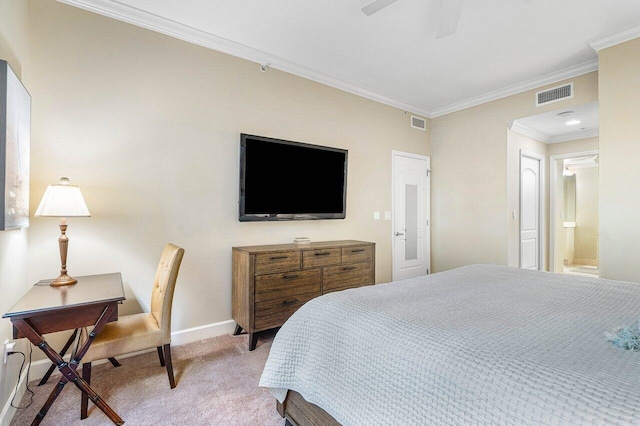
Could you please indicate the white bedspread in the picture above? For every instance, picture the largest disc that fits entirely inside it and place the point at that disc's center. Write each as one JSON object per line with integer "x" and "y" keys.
{"x": 475, "y": 345}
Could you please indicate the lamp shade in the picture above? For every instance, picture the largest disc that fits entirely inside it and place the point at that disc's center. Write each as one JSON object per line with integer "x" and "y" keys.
{"x": 62, "y": 200}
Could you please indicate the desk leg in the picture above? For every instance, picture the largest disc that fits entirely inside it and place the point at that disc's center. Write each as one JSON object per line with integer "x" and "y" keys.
{"x": 52, "y": 397}
{"x": 68, "y": 370}
{"x": 62, "y": 352}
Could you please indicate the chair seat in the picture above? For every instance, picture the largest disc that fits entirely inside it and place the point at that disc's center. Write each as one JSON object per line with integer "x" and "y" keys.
{"x": 130, "y": 333}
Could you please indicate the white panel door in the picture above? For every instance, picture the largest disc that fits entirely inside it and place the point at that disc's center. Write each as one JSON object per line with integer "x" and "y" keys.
{"x": 530, "y": 212}
{"x": 411, "y": 236}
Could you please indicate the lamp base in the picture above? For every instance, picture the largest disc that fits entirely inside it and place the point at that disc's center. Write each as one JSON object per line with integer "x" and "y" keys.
{"x": 63, "y": 279}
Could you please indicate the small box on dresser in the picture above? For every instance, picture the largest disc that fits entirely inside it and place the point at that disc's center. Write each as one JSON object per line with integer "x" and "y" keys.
{"x": 271, "y": 282}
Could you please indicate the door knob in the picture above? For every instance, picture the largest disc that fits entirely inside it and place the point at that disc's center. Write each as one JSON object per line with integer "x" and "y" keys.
{"x": 399, "y": 233}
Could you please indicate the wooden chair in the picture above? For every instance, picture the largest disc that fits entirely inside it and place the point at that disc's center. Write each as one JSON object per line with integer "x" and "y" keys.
{"x": 138, "y": 332}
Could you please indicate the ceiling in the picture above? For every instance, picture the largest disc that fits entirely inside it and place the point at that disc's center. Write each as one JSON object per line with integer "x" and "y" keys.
{"x": 501, "y": 47}
{"x": 552, "y": 127}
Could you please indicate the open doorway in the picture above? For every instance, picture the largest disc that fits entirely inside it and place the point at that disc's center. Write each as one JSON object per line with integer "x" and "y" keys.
{"x": 574, "y": 218}
{"x": 570, "y": 134}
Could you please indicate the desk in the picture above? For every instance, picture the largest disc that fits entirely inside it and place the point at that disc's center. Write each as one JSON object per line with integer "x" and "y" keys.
{"x": 93, "y": 301}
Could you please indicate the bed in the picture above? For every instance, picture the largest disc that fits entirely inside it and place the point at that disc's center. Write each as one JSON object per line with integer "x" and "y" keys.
{"x": 481, "y": 344}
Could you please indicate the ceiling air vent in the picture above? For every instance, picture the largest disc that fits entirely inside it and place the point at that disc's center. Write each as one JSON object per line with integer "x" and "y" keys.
{"x": 555, "y": 94}
{"x": 418, "y": 123}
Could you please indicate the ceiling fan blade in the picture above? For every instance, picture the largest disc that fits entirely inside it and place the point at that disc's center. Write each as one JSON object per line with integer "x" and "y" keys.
{"x": 449, "y": 18}
{"x": 376, "y": 5}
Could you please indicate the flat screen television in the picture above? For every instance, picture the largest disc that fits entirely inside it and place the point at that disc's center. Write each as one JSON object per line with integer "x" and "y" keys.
{"x": 284, "y": 180}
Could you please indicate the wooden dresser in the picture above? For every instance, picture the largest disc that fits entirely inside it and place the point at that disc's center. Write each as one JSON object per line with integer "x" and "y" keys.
{"x": 271, "y": 282}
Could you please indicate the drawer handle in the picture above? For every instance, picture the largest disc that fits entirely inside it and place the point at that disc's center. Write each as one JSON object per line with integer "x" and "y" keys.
{"x": 357, "y": 251}
{"x": 277, "y": 257}
{"x": 290, "y": 277}
{"x": 289, "y": 302}
{"x": 325, "y": 253}
{"x": 349, "y": 268}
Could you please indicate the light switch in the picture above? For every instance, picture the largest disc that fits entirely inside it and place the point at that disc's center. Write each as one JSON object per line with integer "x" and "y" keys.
{"x": 387, "y": 215}
{"x": 376, "y": 215}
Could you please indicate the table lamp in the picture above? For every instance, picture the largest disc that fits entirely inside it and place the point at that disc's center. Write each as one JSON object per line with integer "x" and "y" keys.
{"x": 63, "y": 201}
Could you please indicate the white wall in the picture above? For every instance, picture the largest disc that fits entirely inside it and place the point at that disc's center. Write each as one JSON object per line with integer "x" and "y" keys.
{"x": 619, "y": 153}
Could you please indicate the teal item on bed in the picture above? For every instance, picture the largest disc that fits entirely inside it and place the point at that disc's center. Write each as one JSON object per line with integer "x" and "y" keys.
{"x": 626, "y": 337}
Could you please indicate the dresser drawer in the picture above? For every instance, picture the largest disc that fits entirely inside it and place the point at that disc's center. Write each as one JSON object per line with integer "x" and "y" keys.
{"x": 271, "y": 282}
{"x": 274, "y": 313}
{"x": 357, "y": 254}
{"x": 339, "y": 277}
{"x": 287, "y": 284}
{"x": 269, "y": 263}
{"x": 320, "y": 257}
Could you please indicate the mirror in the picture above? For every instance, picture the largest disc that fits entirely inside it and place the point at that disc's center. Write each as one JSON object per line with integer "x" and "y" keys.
{"x": 569, "y": 212}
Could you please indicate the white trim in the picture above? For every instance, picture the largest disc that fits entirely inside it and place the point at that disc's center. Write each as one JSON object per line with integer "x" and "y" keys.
{"x": 409, "y": 155}
{"x": 550, "y": 78}
{"x": 153, "y": 22}
{"x": 543, "y": 137}
{"x": 529, "y": 131}
{"x": 8, "y": 411}
{"x": 552, "y": 205}
{"x": 613, "y": 38}
{"x": 541, "y": 215}
{"x": 589, "y": 133}
{"x": 202, "y": 332}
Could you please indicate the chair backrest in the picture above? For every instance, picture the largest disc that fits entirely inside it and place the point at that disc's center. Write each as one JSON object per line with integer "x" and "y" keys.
{"x": 163, "y": 287}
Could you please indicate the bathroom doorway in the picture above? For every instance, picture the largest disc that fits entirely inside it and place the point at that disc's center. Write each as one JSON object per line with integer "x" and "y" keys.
{"x": 568, "y": 243}
{"x": 574, "y": 217}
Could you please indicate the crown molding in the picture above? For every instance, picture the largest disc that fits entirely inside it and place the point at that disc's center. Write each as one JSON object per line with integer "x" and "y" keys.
{"x": 131, "y": 15}
{"x": 589, "y": 133}
{"x": 617, "y": 37}
{"x": 529, "y": 131}
{"x": 535, "y": 83}
{"x": 543, "y": 137}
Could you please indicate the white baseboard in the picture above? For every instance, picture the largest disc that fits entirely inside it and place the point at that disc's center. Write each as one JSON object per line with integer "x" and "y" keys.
{"x": 181, "y": 337}
{"x": 202, "y": 332}
{"x": 17, "y": 393}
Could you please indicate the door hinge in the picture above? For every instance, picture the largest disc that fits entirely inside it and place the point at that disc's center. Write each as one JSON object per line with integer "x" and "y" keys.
{"x": 427, "y": 271}
{"x": 428, "y": 171}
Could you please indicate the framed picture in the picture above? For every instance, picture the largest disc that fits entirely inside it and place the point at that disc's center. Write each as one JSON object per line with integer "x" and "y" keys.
{"x": 15, "y": 138}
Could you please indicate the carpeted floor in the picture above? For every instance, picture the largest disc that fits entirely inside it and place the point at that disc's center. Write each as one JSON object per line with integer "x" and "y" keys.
{"x": 217, "y": 384}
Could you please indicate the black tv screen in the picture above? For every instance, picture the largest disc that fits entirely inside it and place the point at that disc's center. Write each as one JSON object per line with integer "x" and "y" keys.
{"x": 284, "y": 180}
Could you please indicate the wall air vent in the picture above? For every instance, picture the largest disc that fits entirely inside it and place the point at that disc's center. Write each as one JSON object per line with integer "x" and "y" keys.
{"x": 555, "y": 94}
{"x": 418, "y": 123}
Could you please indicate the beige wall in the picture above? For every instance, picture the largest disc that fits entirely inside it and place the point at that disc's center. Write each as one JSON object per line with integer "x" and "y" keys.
{"x": 149, "y": 127}
{"x": 470, "y": 214}
{"x": 586, "y": 231}
{"x": 619, "y": 153}
{"x": 13, "y": 243}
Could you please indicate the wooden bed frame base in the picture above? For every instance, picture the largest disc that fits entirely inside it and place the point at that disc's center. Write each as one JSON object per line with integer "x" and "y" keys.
{"x": 297, "y": 411}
